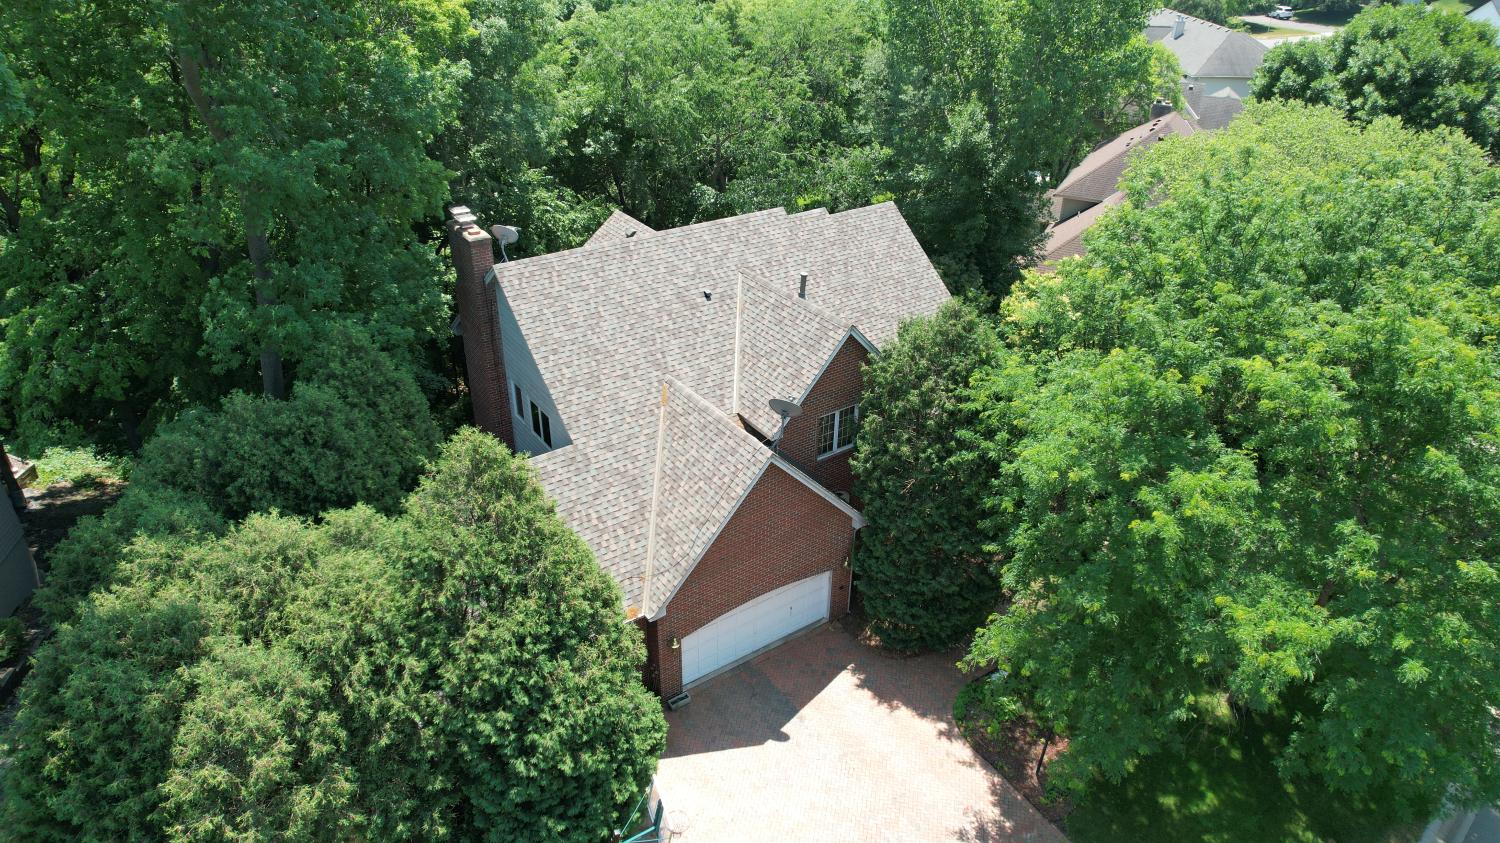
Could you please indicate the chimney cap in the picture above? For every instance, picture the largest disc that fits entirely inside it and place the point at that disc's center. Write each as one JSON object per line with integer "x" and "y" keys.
{"x": 462, "y": 215}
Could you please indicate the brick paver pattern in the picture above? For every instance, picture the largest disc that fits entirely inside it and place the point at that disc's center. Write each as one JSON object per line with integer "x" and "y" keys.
{"x": 826, "y": 739}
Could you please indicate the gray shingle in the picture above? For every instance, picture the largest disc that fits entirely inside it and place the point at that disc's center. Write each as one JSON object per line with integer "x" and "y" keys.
{"x": 1207, "y": 49}
{"x": 610, "y": 322}
{"x": 1097, "y": 176}
{"x": 619, "y": 226}
{"x": 1065, "y": 239}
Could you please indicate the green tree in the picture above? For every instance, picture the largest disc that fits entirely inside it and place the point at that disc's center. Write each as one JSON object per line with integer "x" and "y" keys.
{"x": 662, "y": 109}
{"x": 501, "y": 138}
{"x": 1429, "y": 70}
{"x": 924, "y": 574}
{"x": 992, "y": 99}
{"x": 211, "y": 188}
{"x": 356, "y": 429}
{"x": 462, "y": 670}
{"x": 1248, "y": 450}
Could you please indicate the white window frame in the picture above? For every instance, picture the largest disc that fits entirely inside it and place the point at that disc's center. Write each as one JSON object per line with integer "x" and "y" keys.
{"x": 838, "y": 429}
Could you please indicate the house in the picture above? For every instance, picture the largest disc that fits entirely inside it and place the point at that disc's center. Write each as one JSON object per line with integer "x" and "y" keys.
{"x": 1488, "y": 12}
{"x": 1217, "y": 63}
{"x": 18, "y": 574}
{"x": 639, "y": 373}
{"x": 1091, "y": 188}
{"x": 1208, "y": 112}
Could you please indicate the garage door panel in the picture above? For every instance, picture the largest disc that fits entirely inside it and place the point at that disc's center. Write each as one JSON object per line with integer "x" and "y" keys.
{"x": 755, "y": 624}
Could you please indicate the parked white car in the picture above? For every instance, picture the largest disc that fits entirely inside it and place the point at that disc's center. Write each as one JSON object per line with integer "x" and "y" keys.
{"x": 1281, "y": 13}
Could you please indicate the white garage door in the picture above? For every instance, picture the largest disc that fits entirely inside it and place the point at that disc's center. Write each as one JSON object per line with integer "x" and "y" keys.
{"x": 751, "y": 626}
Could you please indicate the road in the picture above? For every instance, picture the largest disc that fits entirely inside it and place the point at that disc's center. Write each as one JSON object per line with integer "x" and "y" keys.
{"x": 1486, "y": 828}
{"x": 1311, "y": 28}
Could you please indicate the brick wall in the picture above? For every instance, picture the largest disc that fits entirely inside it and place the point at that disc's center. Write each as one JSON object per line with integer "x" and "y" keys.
{"x": 838, "y": 387}
{"x": 478, "y": 311}
{"x": 782, "y": 532}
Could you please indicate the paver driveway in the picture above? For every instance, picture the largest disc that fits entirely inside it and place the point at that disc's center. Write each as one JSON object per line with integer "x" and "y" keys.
{"x": 825, "y": 739}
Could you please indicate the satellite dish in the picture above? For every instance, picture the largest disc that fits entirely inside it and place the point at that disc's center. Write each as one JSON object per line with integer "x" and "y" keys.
{"x": 505, "y": 234}
{"x": 785, "y": 409}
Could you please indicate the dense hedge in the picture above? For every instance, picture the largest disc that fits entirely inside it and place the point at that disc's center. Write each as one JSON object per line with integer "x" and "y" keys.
{"x": 461, "y": 670}
{"x": 356, "y": 429}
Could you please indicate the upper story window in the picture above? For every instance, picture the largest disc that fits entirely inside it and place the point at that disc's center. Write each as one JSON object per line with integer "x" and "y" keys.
{"x": 520, "y": 408}
{"x": 541, "y": 425}
{"x": 836, "y": 430}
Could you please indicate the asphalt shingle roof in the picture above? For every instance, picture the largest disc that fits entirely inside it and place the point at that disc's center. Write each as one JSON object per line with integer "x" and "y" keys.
{"x": 1097, "y": 177}
{"x": 706, "y": 463}
{"x": 609, "y": 323}
{"x": 1207, "y": 49}
{"x": 619, "y": 226}
{"x": 1065, "y": 239}
{"x": 1210, "y": 113}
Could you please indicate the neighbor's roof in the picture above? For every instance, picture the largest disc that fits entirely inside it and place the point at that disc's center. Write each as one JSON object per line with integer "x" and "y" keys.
{"x": 1097, "y": 177}
{"x": 1207, "y": 49}
{"x": 1210, "y": 113}
{"x": 1065, "y": 239}
{"x": 609, "y": 323}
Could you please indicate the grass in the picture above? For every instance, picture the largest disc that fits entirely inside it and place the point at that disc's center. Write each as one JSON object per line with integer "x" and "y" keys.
{"x": 1455, "y": 6}
{"x": 1224, "y": 789}
{"x": 1325, "y": 16}
{"x": 1258, "y": 30}
{"x": 79, "y": 466}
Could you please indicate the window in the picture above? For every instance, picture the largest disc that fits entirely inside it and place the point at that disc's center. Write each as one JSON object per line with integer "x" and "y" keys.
{"x": 541, "y": 425}
{"x": 848, "y": 426}
{"x": 836, "y": 430}
{"x": 520, "y": 408}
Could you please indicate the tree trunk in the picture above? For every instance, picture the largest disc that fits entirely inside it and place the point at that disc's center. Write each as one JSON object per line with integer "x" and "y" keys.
{"x": 273, "y": 378}
{"x": 1041, "y": 760}
{"x": 1325, "y": 594}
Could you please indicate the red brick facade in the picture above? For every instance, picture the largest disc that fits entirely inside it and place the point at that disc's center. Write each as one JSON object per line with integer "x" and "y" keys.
{"x": 782, "y": 532}
{"x": 479, "y": 314}
{"x": 838, "y": 387}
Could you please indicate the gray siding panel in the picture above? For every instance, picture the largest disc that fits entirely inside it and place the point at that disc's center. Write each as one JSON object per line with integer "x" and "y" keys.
{"x": 17, "y": 572}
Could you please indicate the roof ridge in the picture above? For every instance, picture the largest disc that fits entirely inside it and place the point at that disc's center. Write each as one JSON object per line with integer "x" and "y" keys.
{"x": 833, "y": 319}
{"x": 659, "y": 239}
{"x": 1207, "y": 23}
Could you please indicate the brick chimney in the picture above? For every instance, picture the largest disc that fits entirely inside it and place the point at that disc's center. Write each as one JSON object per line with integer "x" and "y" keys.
{"x": 479, "y": 320}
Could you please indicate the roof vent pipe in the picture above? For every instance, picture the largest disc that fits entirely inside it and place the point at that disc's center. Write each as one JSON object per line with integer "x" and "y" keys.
{"x": 802, "y": 287}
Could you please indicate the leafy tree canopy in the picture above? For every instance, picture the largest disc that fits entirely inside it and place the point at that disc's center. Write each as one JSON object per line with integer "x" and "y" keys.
{"x": 194, "y": 206}
{"x": 924, "y": 573}
{"x": 356, "y": 429}
{"x": 1249, "y": 453}
{"x": 461, "y": 670}
{"x": 1429, "y": 70}
{"x": 990, "y": 101}
{"x": 216, "y": 183}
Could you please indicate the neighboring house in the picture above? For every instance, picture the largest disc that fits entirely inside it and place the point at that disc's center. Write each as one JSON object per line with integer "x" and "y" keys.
{"x": 638, "y": 371}
{"x": 1217, "y": 63}
{"x": 1208, "y": 112}
{"x": 18, "y": 574}
{"x": 1093, "y": 187}
{"x": 1488, "y": 12}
